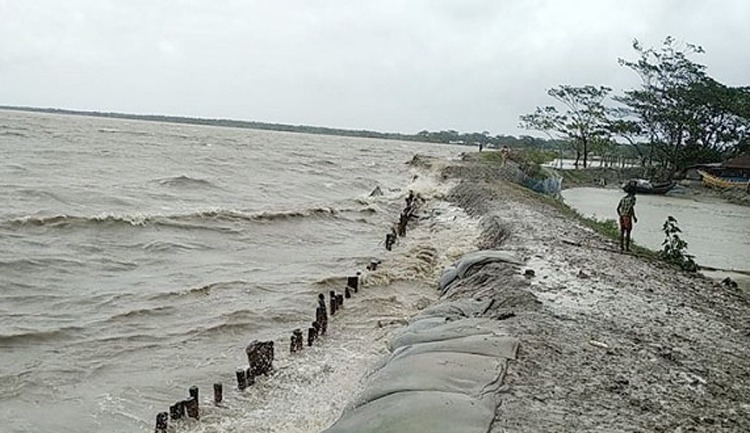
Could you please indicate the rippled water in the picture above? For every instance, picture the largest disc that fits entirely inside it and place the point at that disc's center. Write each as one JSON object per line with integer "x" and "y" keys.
{"x": 139, "y": 258}
{"x": 718, "y": 233}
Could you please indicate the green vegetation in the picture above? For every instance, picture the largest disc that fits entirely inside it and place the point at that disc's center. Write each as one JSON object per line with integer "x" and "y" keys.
{"x": 607, "y": 228}
{"x": 674, "y": 249}
{"x": 679, "y": 117}
{"x": 582, "y": 124}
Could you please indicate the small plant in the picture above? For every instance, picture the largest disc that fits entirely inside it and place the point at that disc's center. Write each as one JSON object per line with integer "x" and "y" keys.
{"x": 674, "y": 248}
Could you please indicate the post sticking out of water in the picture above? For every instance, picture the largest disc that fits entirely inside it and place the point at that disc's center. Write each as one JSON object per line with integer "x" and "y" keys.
{"x": 161, "y": 422}
{"x": 292, "y": 344}
{"x": 241, "y": 379}
{"x": 299, "y": 340}
{"x": 191, "y": 405}
{"x": 321, "y": 319}
{"x": 260, "y": 357}
{"x": 311, "y": 334}
{"x": 194, "y": 394}
{"x": 347, "y": 292}
{"x": 321, "y": 316}
{"x": 339, "y": 302}
{"x": 390, "y": 239}
{"x": 218, "y": 393}
{"x": 250, "y": 376}
{"x": 177, "y": 410}
{"x": 334, "y": 302}
{"x": 353, "y": 282}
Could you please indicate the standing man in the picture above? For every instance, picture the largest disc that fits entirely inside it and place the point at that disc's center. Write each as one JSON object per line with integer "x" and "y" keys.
{"x": 626, "y": 212}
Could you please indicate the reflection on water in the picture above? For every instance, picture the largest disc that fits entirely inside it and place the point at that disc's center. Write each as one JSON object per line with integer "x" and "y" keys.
{"x": 717, "y": 233}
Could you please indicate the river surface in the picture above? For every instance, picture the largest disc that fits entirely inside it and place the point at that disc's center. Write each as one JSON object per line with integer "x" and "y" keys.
{"x": 139, "y": 258}
{"x": 717, "y": 233}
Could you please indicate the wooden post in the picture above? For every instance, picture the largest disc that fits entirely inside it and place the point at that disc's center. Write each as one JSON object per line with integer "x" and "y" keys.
{"x": 353, "y": 282}
{"x": 321, "y": 318}
{"x": 177, "y": 411}
{"x": 191, "y": 405}
{"x": 334, "y": 302}
{"x": 311, "y": 334}
{"x": 292, "y": 344}
{"x": 347, "y": 292}
{"x": 161, "y": 422}
{"x": 260, "y": 356}
{"x": 218, "y": 393}
{"x": 390, "y": 239}
{"x": 299, "y": 340}
{"x": 339, "y": 302}
{"x": 250, "y": 375}
{"x": 241, "y": 379}
{"x": 194, "y": 394}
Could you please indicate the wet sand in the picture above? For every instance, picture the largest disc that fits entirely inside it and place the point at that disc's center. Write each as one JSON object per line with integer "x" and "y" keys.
{"x": 612, "y": 343}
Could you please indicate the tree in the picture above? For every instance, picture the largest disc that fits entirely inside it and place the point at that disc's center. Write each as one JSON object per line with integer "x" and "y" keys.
{"x": 584, "y": 119}
{"x": 687, "y": 116}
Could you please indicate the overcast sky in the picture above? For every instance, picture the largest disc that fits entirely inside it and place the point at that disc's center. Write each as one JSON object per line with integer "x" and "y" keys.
{"x": 386, "y": 65}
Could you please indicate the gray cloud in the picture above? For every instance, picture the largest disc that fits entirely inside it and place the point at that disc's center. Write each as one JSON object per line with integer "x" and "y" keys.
{"x": 384, "y": 65}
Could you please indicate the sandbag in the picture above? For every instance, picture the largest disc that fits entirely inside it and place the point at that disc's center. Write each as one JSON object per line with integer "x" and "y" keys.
{"x": 445, "y": 331}
{"x": 454, "y": 310}
{"x": 459, "y": 269}
{"x": 466, "y": 373}
{"x": 498, "y": 346}
{"x": 417, "y": 412}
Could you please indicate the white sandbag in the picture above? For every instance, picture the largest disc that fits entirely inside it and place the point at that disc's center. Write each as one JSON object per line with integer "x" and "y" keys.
{"x": 418, "y": 412}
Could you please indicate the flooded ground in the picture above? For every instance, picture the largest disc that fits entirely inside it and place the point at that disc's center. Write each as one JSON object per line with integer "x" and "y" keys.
{"x": 718, "y": 233}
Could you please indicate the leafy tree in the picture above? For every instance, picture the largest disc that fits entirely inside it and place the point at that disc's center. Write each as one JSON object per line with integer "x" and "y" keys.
{"x": 583, "y": 121}
{"x": 687, "y": 116}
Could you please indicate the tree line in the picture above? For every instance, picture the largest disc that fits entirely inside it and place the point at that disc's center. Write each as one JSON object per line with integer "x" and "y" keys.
{"x": 678, "y": 117}
{"x": 446, "y": 137}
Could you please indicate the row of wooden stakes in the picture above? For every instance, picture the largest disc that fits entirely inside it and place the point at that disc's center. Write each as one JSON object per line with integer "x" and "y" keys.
{"x": 260, "y": 355}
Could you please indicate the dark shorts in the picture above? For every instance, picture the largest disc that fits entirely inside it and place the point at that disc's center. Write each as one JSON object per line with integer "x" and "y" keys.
{"x": 626, "y": 222}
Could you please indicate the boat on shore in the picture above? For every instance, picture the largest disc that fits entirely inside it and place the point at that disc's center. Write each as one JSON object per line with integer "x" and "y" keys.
{"x": 643, "y": 186}
{"x": 710, "y": 180}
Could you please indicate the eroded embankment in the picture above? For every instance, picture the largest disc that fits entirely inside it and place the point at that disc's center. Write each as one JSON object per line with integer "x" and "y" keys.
{"x": 605, "y": 341}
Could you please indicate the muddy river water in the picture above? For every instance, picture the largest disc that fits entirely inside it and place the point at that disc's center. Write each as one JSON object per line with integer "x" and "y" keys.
{"x": 717, "y": 233}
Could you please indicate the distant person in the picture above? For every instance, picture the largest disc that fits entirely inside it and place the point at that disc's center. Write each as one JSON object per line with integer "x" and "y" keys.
{"x": 481, "y": 146}
{"x": 626, "y": 212}
{"x": 505, "y": 153}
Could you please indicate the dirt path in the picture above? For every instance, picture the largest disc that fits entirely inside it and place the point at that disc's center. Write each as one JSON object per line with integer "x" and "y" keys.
{"x": 615, "y": 343}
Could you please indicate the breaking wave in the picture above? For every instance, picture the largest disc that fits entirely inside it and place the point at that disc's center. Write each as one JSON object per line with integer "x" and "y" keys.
{"x": 207, "y": 216}
{"x": 26, "y": 337}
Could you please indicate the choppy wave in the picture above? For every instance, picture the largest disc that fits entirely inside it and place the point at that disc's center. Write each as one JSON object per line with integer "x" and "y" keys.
{"x": 140, "y": 220}
{"x": 26, "y": 337}
{"x": 185, "y": 182}
{"x": 201, "y": 291}
{"x": 28, "y": 263}
{"x": 142, "y": 312}
{"x": 13, "y": 134}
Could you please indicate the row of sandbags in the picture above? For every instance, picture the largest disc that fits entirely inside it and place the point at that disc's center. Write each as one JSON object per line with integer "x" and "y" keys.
{"x": 443, "y": 374}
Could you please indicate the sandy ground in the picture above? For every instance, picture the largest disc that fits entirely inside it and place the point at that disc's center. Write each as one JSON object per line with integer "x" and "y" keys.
{"x": 613, "y": 343}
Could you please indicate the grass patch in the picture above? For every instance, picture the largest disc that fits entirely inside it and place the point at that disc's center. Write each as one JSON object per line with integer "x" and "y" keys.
{"x": 607, "y": 228}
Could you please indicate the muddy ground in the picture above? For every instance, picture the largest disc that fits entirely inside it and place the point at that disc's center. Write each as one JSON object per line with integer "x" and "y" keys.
{"x": 612, "y": 342}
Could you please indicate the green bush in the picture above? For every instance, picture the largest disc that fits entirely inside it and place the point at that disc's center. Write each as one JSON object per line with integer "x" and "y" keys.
{"x": 674, "y": 248}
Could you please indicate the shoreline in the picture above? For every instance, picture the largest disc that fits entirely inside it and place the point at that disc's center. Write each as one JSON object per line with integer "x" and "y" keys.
{"x": 606, "y": 341}
{"x": 614, "y": 177}
{"x": 674, "y": 342}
